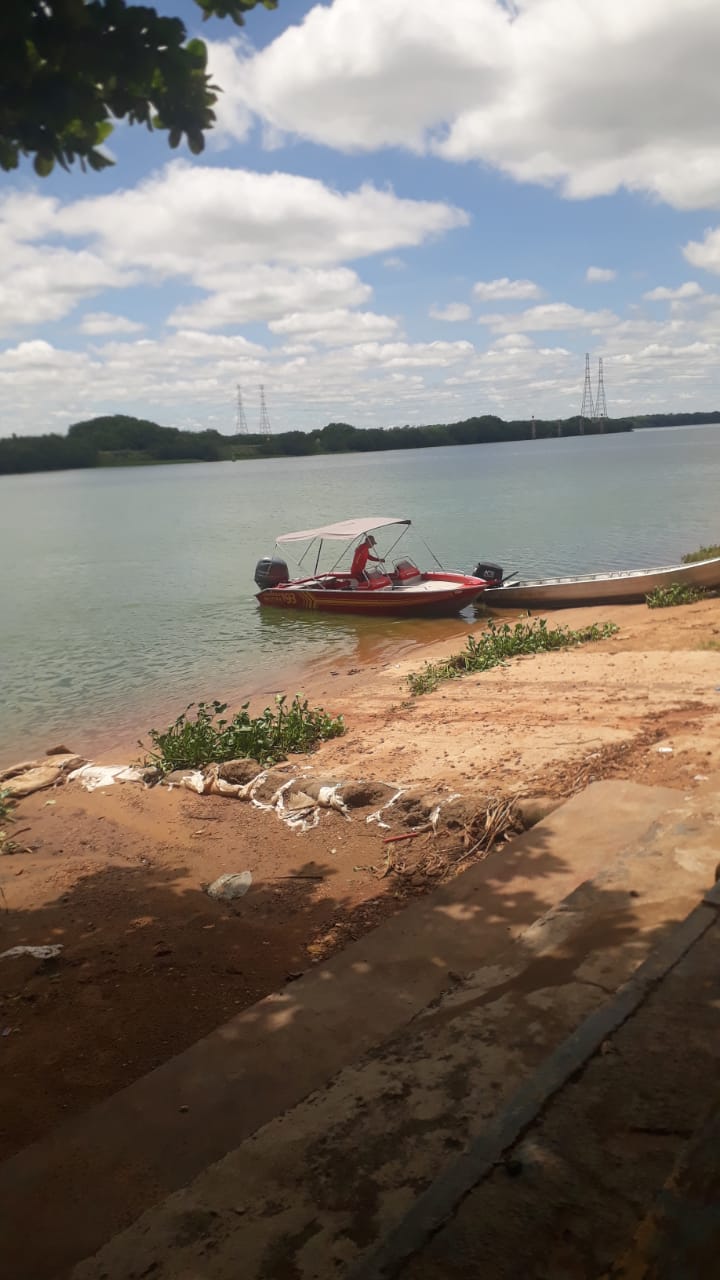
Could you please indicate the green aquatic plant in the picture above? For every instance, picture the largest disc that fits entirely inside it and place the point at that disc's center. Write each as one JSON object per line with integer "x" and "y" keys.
{"x": 208, "y": 737}
{"x": 702, "y": 553}
{"x": 7, "y": 804}
{"x": 668, "y": 597}
{"x": 498, "y": 643}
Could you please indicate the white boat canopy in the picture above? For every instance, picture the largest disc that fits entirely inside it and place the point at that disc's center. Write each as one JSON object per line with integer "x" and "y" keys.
{"x": 343, "y": 530}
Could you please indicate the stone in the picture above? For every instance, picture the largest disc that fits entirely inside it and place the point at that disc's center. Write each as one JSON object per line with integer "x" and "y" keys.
{"x": 239, "y": 771}
{"x": 41, "y": 776}
{"x": 58, "y": 751}
{"x": 266, "y": 790}
{"x": 231, "y": 885}
{"x": 532, "y": 809}
{"x": 174, "y": 778}
{"x": 365, "y": 794}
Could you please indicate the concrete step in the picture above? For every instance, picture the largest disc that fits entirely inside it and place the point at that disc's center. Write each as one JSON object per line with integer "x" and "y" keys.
{"x": 618, "y": 1177}
{"x": 314, "y": 1192}
{"x": 680, "y": 1236}
{"x": 69, "y": 1193}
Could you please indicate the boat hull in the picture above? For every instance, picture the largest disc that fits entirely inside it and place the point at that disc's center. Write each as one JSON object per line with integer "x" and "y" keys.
{"x": 438, "y": 596}
{"x": 610, "y": 588}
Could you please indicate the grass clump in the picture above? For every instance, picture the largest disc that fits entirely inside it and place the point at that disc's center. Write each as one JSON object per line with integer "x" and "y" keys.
{"x": 7, "y": 804}
{"x": 702, "y": 553}
{"x": 207, "y": 737}
{"x": 668, "y": 597}
{"x": 498, "y": 643}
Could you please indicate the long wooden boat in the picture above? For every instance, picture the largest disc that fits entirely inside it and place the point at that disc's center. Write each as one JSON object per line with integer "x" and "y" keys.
{"x": 624, "y": 587}
{"x": 401, "y": 591}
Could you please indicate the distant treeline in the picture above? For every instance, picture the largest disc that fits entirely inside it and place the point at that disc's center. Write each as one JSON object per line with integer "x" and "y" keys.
{"x": 119, "y": 440}
{"x": 673, "y": 419}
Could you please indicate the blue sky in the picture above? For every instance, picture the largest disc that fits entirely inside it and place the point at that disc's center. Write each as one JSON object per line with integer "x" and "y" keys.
{"x": 409, "y": 212}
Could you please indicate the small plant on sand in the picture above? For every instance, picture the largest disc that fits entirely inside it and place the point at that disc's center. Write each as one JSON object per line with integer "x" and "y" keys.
{"x": 6, "y": 806}
{"x": 496, "y": 644}
{"x": 702, "y": 553}
{"x": 668, "y": 597}
{"x": 6, "y": 816}
{"x": 207, "y": 736}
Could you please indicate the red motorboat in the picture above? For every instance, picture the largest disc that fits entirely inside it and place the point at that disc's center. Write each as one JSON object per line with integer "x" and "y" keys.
{"x": 401, "y": 591}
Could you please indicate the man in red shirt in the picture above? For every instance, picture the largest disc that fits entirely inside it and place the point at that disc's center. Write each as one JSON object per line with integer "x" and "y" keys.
{"x": 362, "y": 555}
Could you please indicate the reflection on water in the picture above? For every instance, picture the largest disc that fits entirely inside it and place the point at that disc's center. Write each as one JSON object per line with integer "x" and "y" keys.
{"x": 129, "y": 592}
{"x": 352, "y": 642}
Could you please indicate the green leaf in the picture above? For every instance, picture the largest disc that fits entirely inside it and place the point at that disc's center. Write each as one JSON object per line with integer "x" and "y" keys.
{"x": 43, "y": 165}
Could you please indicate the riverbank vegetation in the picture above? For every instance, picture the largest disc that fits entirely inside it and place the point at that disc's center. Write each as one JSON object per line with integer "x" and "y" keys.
{"x": 668, "y": 597}
{"x": 702, "y": 553}
{"x": 207, "y": 737}
{"x": 121, "y": 441}
{"x": 498, "y": 643}
{"x": 118, "y": 440}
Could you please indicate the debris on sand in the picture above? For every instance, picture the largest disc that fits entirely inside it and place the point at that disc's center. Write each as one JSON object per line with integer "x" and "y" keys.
{"x": 449, "y": 847}
{"x": 94, "y": 776}
{"x": 50, "y": 952}
{"x": 36, "y": 775}
{"x": 229, "y": 886}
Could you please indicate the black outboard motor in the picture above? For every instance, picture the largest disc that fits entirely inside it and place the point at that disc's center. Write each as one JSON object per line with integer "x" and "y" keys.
{"x": 489, "y": 572}
{"x": 270, "y": 572}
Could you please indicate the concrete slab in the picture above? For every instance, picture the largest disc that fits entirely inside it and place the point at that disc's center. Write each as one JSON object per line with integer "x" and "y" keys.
{"x": 573, "y": 1194}
{"x": 313, "y": 1191}
{"x": 680, "y": 1237}
{"x": 65, "y": 1196}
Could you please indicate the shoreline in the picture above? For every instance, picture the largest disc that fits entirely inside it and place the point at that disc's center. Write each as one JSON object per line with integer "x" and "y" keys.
{"x": 117, "y": 876}
{"x": 306, "y": 675}
{"x": 88, "y": 451}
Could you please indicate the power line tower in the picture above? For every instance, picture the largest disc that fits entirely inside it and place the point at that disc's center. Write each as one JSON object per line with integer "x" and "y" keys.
{"x": 265, "y": 428}
{"x": 601, "y": 412}
{"x": 241, "y": 426}
{"x": 587, "y": 412}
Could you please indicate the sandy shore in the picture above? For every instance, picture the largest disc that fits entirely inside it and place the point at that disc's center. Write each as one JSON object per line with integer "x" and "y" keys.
{"x": 150, "y": 962}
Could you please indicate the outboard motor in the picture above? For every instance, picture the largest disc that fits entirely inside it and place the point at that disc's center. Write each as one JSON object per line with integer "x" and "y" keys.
{"x": 270, "y": 572}
{"x": 489, "y": 572}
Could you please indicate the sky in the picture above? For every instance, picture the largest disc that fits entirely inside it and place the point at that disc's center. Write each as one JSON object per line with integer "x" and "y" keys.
{"x": 410, "y": 211}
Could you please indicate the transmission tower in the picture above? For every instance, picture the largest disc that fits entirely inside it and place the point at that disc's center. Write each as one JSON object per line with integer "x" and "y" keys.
{"x": 241, "y": 426}
{"x": 587, "y": 412}
{"x": 601, "y": 412}
{"x": 265, "y": 428}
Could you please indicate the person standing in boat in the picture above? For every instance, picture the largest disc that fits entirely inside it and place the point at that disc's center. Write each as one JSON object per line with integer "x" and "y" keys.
{"x": 362, "y": 554}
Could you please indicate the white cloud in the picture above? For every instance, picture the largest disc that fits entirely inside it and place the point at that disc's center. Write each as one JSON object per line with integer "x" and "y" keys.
{"x": 393, "y": 263}
{"x": 336, "y": 328}
{"x": 500, "y": 290}
{"x": 513, "y": 342}
{"x": 187, "y": 378}
{"x": 41, "y": 283}
{"x": 259, "y": 246}
{"x": 549, "y": 316}
{"x": 706, "y": 252}
{"x": 452, "y": 313}
{"x": 600, "y": 275}
{"x": 95, "y": 323}
{"x": 233, "y": 119}
{"x": 691, "y": 289}
{"x": 188, "y": 218}
{"x": 589, "y": 96}
{"x": 264, "y": 292}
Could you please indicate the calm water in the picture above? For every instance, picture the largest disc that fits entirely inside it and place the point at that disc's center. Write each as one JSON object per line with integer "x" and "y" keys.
{"x": 125, "y": 594}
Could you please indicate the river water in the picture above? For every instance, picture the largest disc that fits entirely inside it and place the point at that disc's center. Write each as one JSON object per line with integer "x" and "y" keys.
{"x": 127, "y": 593}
